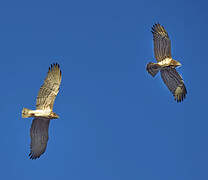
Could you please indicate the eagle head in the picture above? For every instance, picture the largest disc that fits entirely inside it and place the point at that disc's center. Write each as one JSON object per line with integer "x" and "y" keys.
{"x": 175, "y": 63}
{"x": 53, "y": 115}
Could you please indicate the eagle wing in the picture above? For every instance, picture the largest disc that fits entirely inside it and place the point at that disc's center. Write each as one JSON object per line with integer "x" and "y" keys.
{"x": 162, "y": 44}
{"x": 174, "y": 82}
{"x": 39, "y": 136}
{"x": 49, "y": 89}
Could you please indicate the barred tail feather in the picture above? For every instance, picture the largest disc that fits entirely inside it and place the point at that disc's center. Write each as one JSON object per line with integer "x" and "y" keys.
{"x": 153, "y": 68}
{"x": 26, "y": 113}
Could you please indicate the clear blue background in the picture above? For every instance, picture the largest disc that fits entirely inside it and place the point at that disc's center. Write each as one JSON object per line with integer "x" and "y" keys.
{"x": 116, "y": 121}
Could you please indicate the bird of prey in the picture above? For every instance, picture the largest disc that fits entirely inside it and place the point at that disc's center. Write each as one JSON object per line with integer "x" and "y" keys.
{"x": 165, "y": 64}
{"x": 44, "y": 112}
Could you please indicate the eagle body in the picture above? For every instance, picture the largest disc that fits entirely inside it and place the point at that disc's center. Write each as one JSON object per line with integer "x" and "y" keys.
{"x": 44, "y": 111}
{"x": 168, "y": 62}
{"x": 39, "y": 113}
{"x": 165, "y": 64}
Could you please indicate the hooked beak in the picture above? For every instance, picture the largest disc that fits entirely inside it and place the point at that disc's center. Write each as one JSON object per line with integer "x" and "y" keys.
{"x": 178, "y": 64}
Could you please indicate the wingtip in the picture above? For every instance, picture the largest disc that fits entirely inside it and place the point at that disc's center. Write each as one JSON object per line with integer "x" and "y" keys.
{"x": 181, "y": 97}
{"x": 32, "y": 156}
{"x": 54, "y": 65}
{"x": 156, "y": 25}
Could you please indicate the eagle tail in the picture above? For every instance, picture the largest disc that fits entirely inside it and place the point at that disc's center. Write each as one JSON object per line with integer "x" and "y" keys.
{"x": 153, "y": 68}
{"x": 26, "y": 113}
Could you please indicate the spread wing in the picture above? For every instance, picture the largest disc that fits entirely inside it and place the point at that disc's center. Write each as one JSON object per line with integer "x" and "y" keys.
{"x": 49, "y": 89}
{"x": 174, "y": 82}
{"x": 39, "y": 136}
{"x": 162, "y": 44}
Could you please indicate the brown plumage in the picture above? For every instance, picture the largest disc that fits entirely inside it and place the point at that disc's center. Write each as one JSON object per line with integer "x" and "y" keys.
{"x": 39, "y": 136}
{"x": 49, "y": 90}
{"x": 162, "y": 44}
{"x": 44, "y": 112}
{"x": 165, "y": 64}
{"x": 174, "y": 82}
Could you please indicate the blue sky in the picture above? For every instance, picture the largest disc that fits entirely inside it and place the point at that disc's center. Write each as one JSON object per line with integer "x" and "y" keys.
{"x": 116, "y": 121}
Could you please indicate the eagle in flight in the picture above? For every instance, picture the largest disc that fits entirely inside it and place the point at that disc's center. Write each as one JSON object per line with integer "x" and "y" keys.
{"x": 44, "y": 112}
{"x": 165, "y": 64}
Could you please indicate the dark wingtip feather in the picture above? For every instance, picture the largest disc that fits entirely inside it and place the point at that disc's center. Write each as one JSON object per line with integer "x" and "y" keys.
{"x": 156, "y": 27}
{"x": 54, "y": 65}
{"x": 181, "y": 97}
{"x": 32, "y": 156}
